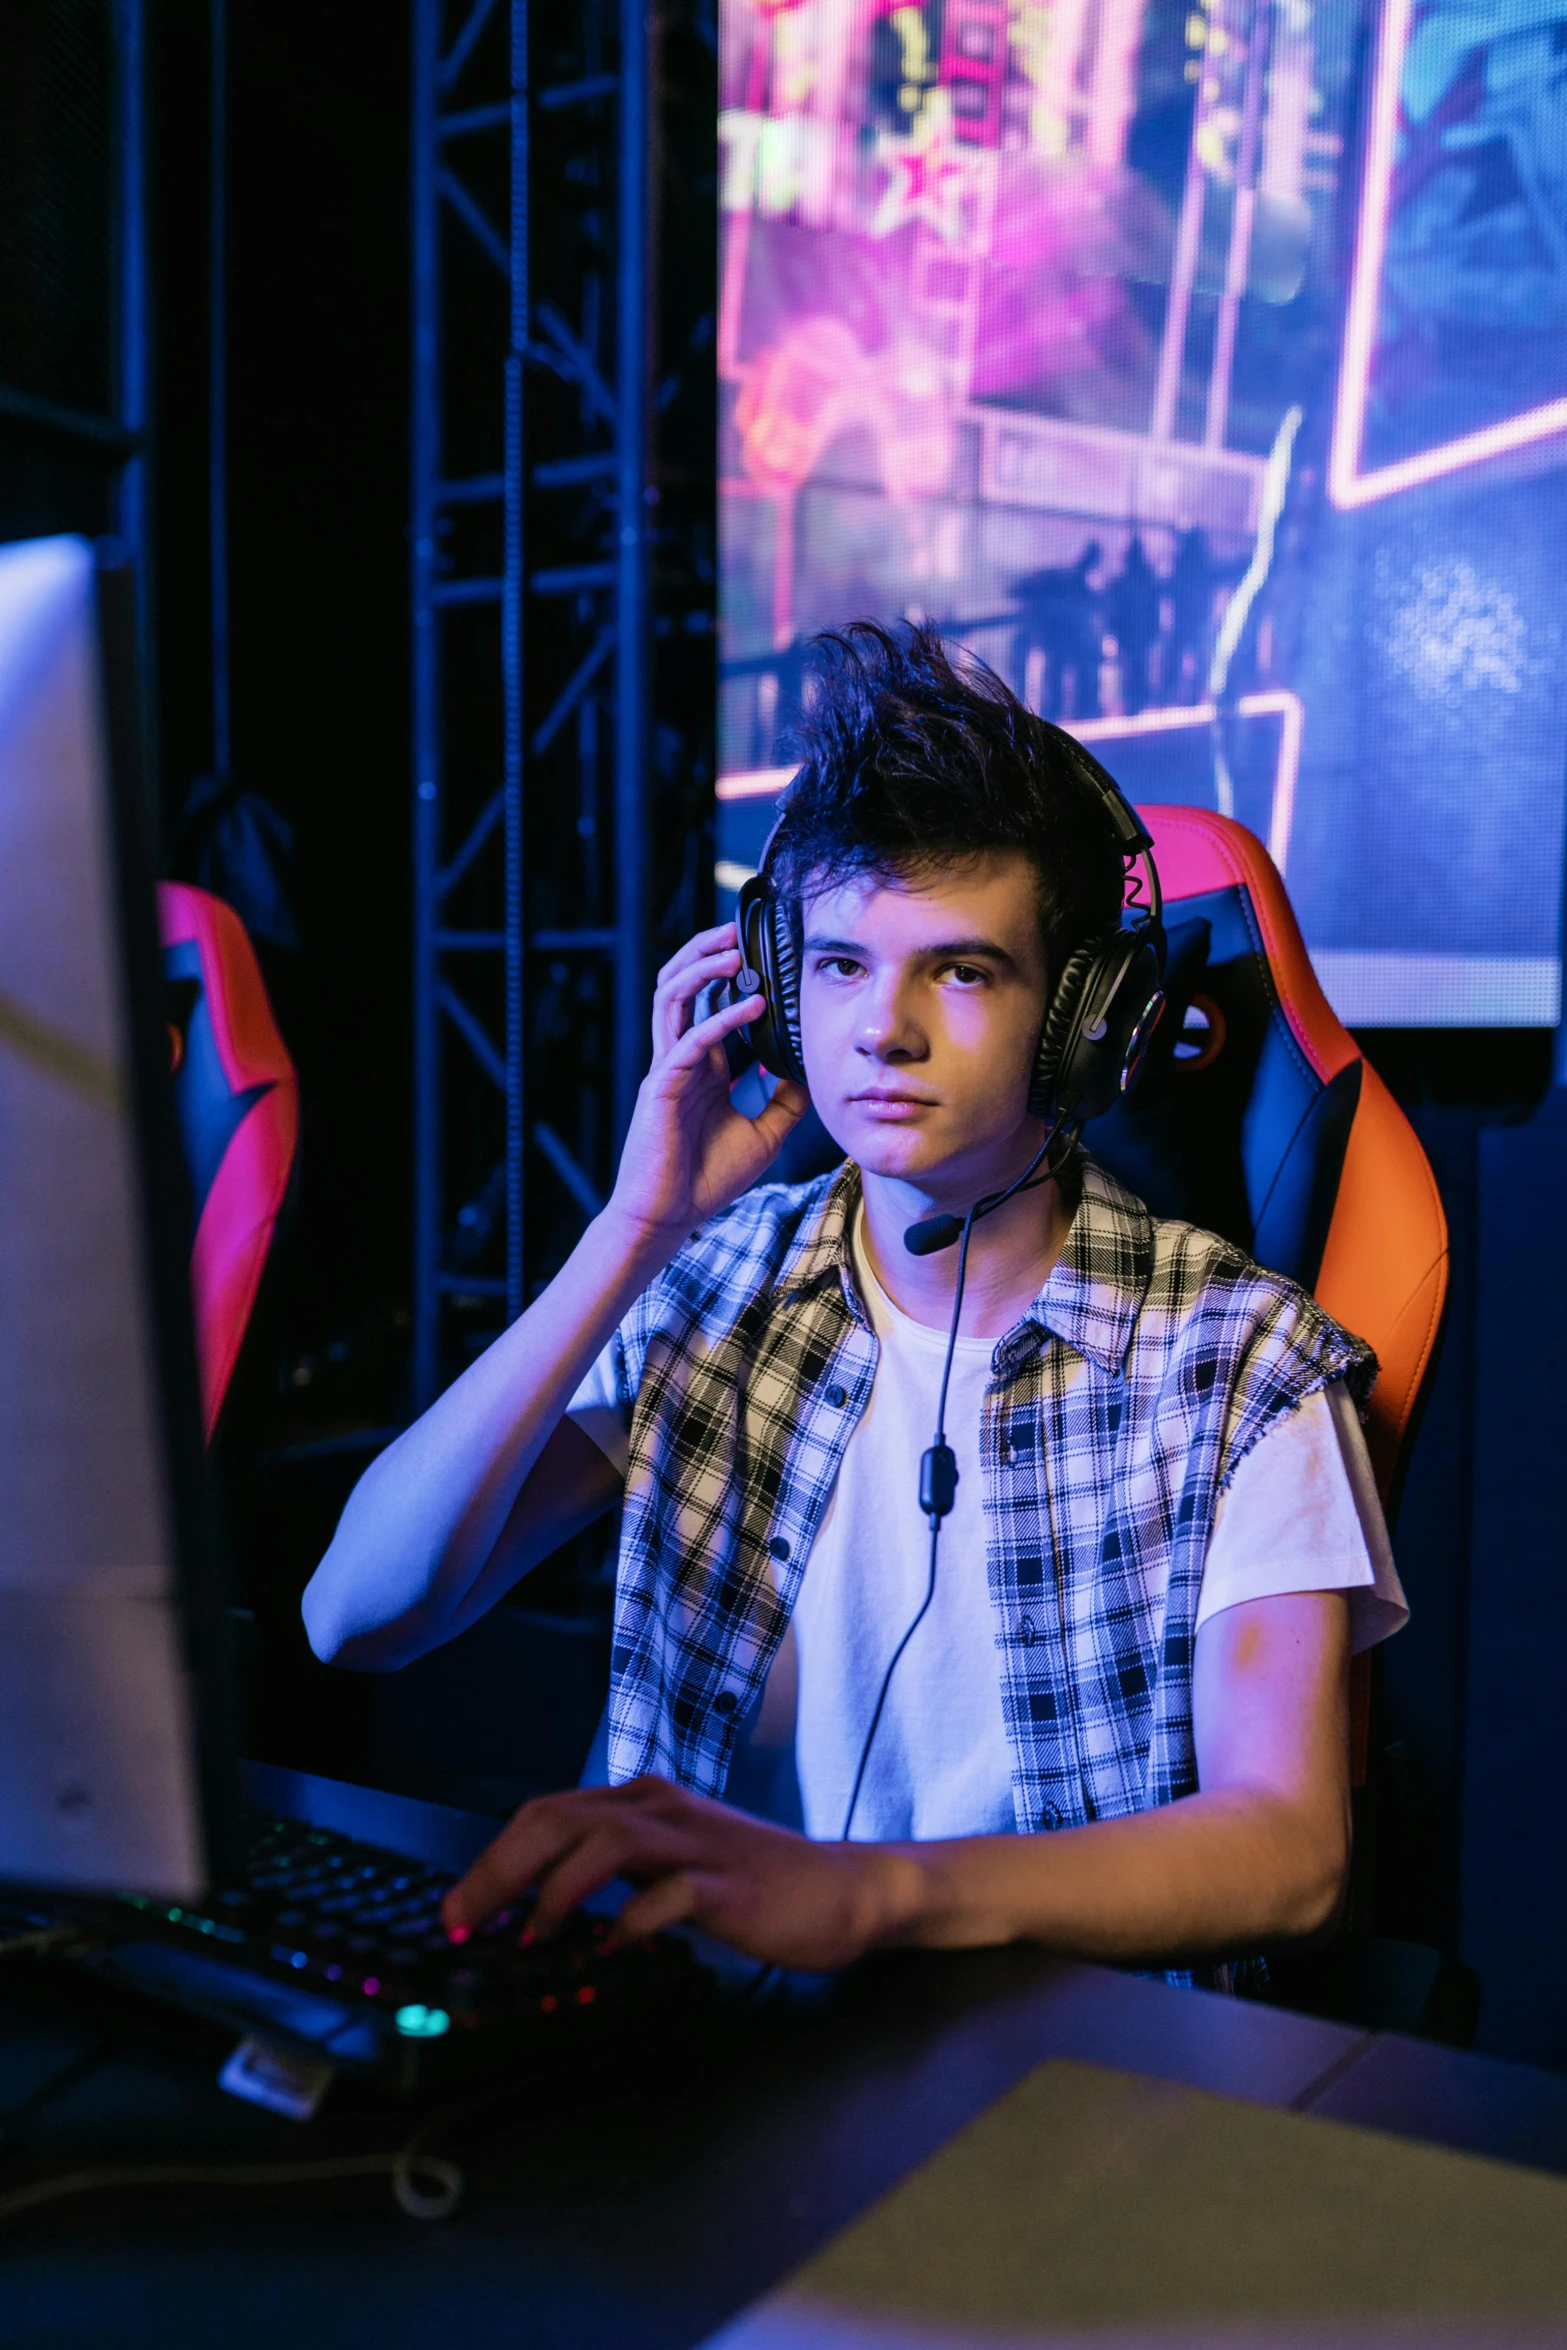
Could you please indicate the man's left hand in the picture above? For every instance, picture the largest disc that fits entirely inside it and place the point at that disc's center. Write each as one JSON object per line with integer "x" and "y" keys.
{"x": 771, "y": 1894}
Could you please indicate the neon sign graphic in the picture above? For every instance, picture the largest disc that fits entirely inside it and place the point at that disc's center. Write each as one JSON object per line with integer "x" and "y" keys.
{"x": 1348, "y": 485}
{"x": 1277, "y": 702}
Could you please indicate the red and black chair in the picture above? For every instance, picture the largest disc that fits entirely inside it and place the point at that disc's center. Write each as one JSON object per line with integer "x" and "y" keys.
{"x": 237, "y": 1100}
{"x": 1259, "y": 1118}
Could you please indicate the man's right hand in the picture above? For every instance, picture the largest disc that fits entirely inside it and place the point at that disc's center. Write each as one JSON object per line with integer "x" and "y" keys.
{"x": 689, "y": 1151}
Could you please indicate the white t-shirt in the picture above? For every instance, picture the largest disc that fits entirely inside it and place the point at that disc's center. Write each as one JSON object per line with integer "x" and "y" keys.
{"x": 1301, "y": 1514}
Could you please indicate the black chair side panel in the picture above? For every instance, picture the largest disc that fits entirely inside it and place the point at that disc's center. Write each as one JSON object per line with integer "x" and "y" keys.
{"x": 1250, "y": 1145}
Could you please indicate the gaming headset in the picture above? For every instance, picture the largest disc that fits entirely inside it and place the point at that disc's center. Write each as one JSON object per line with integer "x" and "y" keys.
{"x": 1102, "y": 1013}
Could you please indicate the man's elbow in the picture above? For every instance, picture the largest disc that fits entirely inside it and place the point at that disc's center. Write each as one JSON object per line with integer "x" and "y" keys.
{"x": 324, "y": 1627}
{"x": 355, "y": 1648}
{"x": 1316, "y": 1879}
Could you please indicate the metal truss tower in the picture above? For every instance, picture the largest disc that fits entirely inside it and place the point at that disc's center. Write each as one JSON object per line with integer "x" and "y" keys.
{"x": 562, "y": 609}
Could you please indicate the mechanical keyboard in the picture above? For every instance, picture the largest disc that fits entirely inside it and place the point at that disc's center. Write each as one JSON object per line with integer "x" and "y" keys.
{"x": 335, "y": 1947}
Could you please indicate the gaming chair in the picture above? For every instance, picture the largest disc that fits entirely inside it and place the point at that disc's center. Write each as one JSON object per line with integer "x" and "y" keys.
{"x": 1258, "y": 1118}
{"x": 237, "y": 1099}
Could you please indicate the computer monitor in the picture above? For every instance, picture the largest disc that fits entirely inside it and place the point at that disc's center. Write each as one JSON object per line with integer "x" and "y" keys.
{"x": 115, "y": 1713}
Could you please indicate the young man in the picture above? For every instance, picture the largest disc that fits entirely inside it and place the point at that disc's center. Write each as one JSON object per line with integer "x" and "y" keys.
{"x": 1120, "y": 1728}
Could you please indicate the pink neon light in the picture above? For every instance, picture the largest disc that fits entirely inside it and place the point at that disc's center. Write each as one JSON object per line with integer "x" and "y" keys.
{"x": 1277, "y": 702}
{"x": 1494, "y": 440}
{"x": 1113, "y": 730}
{"x": 1365, "y": 284}
{"x": 1347, "y": 485}
{"x": 1112, "y": 102}
{"x": 737, "y": 244}
{"x": 1287, "y": 707}
{"x": 755, "y": 783}
{"x": 765, "y": 783}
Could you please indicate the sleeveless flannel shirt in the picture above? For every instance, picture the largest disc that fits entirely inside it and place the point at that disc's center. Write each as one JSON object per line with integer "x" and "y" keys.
{"x": 1150, "y": 1362}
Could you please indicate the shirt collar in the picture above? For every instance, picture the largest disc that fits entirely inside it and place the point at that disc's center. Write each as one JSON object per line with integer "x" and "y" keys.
{"x": 1096, "y": 1287}
{"x": 1091, "y": 1298}
{"x": 822, "y": 1248}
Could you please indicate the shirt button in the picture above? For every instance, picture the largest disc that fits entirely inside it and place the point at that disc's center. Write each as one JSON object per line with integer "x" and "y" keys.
{"x": 725, "y": 1702}
{"x": 778, "y": 1547}
{"x": 1050, "y": 1817}
{"x": 837, "y": 1397}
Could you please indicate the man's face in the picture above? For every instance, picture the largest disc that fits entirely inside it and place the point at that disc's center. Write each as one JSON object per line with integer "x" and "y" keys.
{"x": 920, "y": 1012}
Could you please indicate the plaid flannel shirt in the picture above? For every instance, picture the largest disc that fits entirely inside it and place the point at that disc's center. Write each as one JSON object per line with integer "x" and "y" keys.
{"x": 1118, "y": 1408}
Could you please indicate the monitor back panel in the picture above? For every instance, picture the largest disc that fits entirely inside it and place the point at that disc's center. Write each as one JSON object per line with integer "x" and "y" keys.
{"x": 98, "y": 1779}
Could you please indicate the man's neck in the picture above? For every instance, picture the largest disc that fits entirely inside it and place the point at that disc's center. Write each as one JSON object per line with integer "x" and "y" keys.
{"x": 1010, "y": 1256}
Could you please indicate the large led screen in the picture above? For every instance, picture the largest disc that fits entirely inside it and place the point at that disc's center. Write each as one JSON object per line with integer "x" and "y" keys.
{"x": 1205, "y": 370}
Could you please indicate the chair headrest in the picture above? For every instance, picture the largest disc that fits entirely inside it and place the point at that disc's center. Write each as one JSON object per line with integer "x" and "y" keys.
{"x": 1238, "y": 1124}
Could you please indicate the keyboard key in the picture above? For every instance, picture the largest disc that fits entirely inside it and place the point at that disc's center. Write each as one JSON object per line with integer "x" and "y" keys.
{"x": 369, "y": 1922}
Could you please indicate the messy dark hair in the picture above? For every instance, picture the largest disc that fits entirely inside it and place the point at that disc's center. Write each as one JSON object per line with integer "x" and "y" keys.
{"x": 914, "y": 758}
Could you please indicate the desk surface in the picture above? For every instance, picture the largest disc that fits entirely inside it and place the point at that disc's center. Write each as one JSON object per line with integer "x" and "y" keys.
{"x": 1088, "y": 2204}
{"x": 641, "y": 2201}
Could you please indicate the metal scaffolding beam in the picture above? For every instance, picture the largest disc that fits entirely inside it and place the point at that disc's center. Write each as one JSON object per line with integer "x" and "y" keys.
{"x": 535, "y": 511}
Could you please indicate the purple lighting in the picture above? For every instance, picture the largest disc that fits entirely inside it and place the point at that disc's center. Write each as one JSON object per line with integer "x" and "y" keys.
{"x": 765, "y": 783}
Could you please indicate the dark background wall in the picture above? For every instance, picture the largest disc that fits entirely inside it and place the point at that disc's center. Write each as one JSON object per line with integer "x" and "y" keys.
{"x": 1472, "y": 1096}
{"x": 317, "y": 421}
{"x": 318, "y": 406}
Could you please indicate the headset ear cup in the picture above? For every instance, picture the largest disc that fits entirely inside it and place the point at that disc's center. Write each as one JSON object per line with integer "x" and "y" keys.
{"x": 1060, "y": 1030}
{"x": 1100, "y": 1036}
{"x": 767, "y": 943}
{"x": 786, "y": 1000}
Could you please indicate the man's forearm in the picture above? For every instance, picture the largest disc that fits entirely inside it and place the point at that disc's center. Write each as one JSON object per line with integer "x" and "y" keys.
{"x": 1227, "y": 1870}
{"x": 425, "y": 1541}
{"x": 423, "y": 1521}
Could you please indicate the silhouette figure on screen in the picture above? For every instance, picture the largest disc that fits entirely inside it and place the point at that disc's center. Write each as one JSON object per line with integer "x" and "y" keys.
{"x": 1059, "y": 618}
{"x": 1132, "y": 605}
{"x": 1193, "y": 579}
